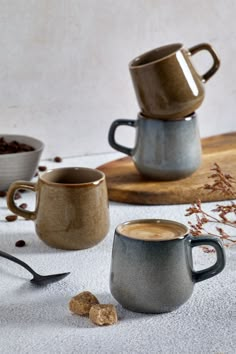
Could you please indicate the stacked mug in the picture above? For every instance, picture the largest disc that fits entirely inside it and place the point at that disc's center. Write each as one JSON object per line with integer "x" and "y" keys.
{"x": 169, "y": 91}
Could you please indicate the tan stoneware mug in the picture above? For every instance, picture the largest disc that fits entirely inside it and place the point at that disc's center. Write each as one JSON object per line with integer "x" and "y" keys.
{"x": 166, "y": 84}
{"x": 71, "y": 207}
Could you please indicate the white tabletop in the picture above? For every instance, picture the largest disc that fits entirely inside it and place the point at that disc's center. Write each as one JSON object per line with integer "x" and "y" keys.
{"x": 37, "y": 320}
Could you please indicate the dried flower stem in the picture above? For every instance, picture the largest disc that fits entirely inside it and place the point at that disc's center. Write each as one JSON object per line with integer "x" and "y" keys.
{"x": 225, "y": 184}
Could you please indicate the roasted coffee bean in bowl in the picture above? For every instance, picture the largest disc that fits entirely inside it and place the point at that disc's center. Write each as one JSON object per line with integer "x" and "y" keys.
{"x": 19, "y": 158}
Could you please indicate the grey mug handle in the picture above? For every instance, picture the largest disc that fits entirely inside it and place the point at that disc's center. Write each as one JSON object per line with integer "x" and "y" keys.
{"x": 220, "y": 257}
{"x": 216, "y": 60}
{"x": 111, "y": 135}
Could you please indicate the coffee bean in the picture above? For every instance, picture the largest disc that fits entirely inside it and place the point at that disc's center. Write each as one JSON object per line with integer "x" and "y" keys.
{"x": 20, "y": 243}
{"x": 42, "y": 168}
{"x": 57, "y": 159}
{"x": 3, "y": 194}
{"x": 23, "y": 206}
{"x": 11, "y": 218}
{"x": 17, "y": 195}
{"x": 36, "y": 174}
{"x": 22, "y": 190}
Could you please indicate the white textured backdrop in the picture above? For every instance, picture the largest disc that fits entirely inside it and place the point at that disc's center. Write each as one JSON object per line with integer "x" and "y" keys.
{"x": 64, "y": 65}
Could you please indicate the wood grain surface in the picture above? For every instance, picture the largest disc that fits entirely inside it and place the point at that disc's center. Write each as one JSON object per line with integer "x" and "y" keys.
{"x": 126, "y": 185}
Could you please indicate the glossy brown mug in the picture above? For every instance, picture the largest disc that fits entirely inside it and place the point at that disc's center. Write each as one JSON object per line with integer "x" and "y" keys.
{"x": 166, "y": 84}
{"x": 71, "y": 207}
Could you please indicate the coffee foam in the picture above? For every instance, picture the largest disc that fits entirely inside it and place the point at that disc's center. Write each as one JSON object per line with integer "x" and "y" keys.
{"x": 156, "y": 231}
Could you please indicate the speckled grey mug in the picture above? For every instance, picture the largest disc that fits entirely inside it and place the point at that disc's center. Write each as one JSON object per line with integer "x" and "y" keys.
{"x": 164, "y": 149}
{"x": 152, "y": 273}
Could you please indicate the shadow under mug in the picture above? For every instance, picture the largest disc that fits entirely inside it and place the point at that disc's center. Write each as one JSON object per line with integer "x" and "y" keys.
{"x": 166, "y": 84}
{"x": 71, "y": 207}
{"x": 163, "y": 149}
{"x": 152, "y": 264}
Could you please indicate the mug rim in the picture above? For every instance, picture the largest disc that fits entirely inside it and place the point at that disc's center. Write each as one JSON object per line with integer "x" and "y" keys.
{"x": 149, "y": 221}
{"x": 95, "y": 182}
{"x": 132, "y": 65}
{"x": 188, "y": 117}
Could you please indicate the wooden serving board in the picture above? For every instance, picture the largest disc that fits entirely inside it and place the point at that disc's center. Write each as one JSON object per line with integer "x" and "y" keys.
{"x": 126, "y": 185}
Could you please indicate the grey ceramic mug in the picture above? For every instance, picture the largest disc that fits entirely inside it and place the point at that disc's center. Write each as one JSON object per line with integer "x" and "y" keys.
{"x": 157, "y": 276}
{"x": 163, "y": 149}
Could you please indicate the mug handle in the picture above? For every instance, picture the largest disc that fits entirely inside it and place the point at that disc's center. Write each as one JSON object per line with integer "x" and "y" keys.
{"x": 11, "y": 202}
{"x": 220, "y": 260}
{"x": 111, "y": 135}
{"x": 216, "y": 61}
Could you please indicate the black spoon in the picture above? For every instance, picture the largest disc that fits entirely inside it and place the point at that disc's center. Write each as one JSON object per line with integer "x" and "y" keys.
{"x": 37, "y": 278}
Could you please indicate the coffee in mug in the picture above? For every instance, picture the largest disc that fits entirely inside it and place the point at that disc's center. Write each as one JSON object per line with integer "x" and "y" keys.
{"x": 163, "y": 149}
{"x": 152, "y": 264}
{"x": 152, "y": 231}
{"x": 71, "y": 207}
{"x": 166, "y": 84}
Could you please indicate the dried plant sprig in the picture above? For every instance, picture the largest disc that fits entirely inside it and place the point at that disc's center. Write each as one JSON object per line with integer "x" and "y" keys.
{"x": 222, "y": 182}
{"x": 224, "y": 215}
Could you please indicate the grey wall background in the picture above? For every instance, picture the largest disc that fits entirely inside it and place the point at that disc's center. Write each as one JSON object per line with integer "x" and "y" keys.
{"x": 64, "y": 65}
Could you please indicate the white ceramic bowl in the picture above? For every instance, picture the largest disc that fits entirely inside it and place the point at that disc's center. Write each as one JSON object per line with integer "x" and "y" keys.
{"x": 21, "y": 165}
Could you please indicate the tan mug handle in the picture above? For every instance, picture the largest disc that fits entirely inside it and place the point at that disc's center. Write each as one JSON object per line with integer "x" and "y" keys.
{"x": 11, "y": 202}
{"x": 216, "y": 60}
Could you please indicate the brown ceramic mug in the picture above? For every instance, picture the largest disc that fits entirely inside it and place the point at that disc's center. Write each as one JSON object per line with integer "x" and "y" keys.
{"x": 71, "y": 207}
{"x": 166, "y": 84}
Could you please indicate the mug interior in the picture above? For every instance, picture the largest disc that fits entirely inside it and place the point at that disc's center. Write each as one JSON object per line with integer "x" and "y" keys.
{"x": 73, "y": 176}
{"x": 155, "y": 55}
{"x": 153, "y": 230}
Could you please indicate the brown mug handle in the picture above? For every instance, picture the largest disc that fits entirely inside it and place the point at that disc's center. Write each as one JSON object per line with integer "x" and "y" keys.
{"x": 216, "y": 61}
{"x": 11, "y": 202}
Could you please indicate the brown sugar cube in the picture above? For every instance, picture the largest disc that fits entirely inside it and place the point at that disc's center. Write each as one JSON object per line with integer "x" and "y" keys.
{"x": 81, "y": 303}
{"x": 103, "y": 314}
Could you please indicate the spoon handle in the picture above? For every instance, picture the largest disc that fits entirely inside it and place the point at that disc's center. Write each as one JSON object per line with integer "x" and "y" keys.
{"x": 18, "y": 261}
